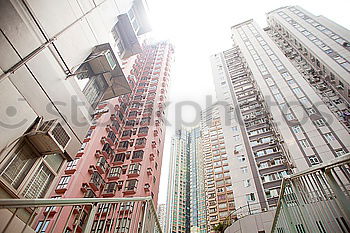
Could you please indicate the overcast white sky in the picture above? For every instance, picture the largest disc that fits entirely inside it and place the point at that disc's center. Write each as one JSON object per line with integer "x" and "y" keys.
{"x": 200, "y": 28}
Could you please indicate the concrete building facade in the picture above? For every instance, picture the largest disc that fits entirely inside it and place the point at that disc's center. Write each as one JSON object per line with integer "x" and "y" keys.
{"x": 217, "y": 180}
{"x": 161, "y": 213}
{"x": 186, "y": 210}
{"x": 281, "y": 116}
{"x": 53, "y": 72}
{"x": 320, "y": 50}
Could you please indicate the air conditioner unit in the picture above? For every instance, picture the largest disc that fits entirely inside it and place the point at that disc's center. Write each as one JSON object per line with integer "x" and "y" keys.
{"x": 49, "y": 137}
{"x": 102, "y": 62}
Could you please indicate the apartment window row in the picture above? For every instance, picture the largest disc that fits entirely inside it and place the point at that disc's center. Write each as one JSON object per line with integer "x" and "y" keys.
{"x": 273, "y": 176}
{"x": 327, "y": 50}
{"x": 306, "y": 103}
{"x": 322, "y": 28}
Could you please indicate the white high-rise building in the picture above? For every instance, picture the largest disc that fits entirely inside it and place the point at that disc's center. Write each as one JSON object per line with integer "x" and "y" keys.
{"x": 186, "y": 206}
{"x": 282, "y": 116}
{"x": 161, "y": 213}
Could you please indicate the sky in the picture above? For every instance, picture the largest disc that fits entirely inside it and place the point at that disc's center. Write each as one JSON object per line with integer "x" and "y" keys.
{"x": 201, "y": 28}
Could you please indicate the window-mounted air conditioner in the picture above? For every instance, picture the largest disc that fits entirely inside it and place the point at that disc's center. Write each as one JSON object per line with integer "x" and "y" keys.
{"x": 102, "y": 61}
{"x": 49, "y": 137}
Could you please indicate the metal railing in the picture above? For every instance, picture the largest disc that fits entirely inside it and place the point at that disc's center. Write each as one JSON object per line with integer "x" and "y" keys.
{"x": 246, "y": 210}
{"x": 315, "y": 200}
{"x": 71, "y": 215}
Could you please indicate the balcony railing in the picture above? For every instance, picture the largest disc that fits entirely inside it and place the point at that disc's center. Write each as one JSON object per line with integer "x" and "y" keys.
{"x": 79, "y": 215}
{"x": 316, "y": 199}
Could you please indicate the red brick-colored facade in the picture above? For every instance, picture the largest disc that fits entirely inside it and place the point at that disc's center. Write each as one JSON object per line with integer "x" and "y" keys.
{"x": 122, "y": 152}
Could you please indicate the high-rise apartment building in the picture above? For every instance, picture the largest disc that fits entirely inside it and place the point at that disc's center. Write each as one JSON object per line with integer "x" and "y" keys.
{"x": 59, "y": 59}
{"x": 217, "y": 180}
{"x": 178, "y": 193}
{"x": 186, "y": 194}
{"x": 197, "y": 185}
{"x": 286, "y": 109}
{"x": 320, "y": 50}
{"x": 122, "y": 153}
{"x": 161, "y": 213}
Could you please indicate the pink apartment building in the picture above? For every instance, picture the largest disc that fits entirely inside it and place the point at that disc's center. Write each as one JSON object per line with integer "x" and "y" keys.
{"x": 122, "y": 152}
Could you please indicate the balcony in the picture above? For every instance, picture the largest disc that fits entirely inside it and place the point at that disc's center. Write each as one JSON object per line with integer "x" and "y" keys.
{"x": 110, "y": 189}
{"x": 137, "y": 156}
{"x": 96, "y": 181}
{"x": 114, "y": 173}
{"x": 106, "y": 150}
{"x": 134, "y": 170}
{"x": 86, "y": 217}
{"x": 324, "y": 185}
{"x": 140, "y": 143}
{"x": 111, "y": 137}
{"x": 130, "y": 187}
{"x": 129, "y": 124}
{"x": 106, "y": 79}
{"x": 123, "y": 146}
{"x": 102, "y": 165}
{"x": 119, "y": 159}
{"x": 143, "y": 131}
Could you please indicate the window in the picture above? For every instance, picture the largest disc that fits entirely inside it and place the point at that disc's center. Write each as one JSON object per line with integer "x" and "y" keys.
{"x": 311, "y": 111}
{"x": 111, "y": 135}
{"x": 145, "y": 120}
{"x": 296, "y": 129}
{"x": 143, "y": 130}
{"x": 116, "y": 125}
{"x": 63, "y": 183}
{"x": 238, "y": 148}
{"x": 97, "y": 226}
{"x": 329, "y": 137}
{"x": 130, "y": 185}
{"x": 115, "y": 172}
{"x": 19, "y": 164}
{"x": 279, "y": 97}
{"x": 120, "y": 157}
{"x": 298, "y": 91}
{"x": 134, "y": 168}
{"x": 140, "y": 141}
{"x": 290, "y": 116}
{"x": 340, "y": 152}
{"x": 123, "y": 145}
{"x": 39, "y": 183}
{"x": 138, "y": 154}
{"x": 110, "y": 188}
{"x": 304, "y": 101}
{"x": 320, "y": 123}
{"x": 241, "y": 158}
{"x": 304, "y": 143}
{"x": 244, "y": 170}
{"x": 130, "y": 123}
{"x": 271, "y": 193}
{"x": 102, "y": 164}
{"x": 250, "y": 197}
{"x": 127, "y": 133}
{"x": 41, "y": 227}
{"x": 72, "y": 164}
{"x": 247, "y": 183}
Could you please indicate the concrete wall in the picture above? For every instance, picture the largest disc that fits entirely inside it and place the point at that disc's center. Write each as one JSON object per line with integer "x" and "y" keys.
{"x": 257, "y": 223}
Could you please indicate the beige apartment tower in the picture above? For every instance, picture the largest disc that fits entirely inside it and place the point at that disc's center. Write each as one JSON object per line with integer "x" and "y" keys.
{"x": 284, "y": 92}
